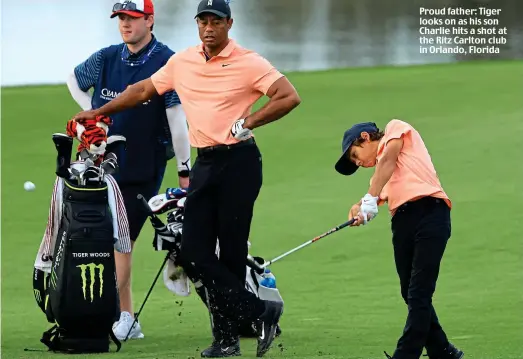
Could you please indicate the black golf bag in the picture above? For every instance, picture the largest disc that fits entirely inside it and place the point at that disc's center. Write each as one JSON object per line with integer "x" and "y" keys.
{"x": 80, "y": 294}
{"x": 81, "y": 291}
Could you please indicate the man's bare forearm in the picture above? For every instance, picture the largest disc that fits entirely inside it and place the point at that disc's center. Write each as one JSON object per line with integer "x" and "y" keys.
{"x": 276, "y": 108}
{"x": 132, "y": 96}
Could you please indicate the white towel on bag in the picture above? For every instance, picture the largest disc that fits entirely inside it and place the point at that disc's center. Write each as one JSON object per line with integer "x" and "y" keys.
{"x": 119, "y": 219}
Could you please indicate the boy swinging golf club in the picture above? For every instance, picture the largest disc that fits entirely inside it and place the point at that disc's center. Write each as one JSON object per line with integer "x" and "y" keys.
{"x": 405, "y": 178}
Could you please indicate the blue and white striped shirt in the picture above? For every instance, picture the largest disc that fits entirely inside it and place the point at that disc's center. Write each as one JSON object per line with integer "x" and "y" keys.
{"x": 88, "y": 71}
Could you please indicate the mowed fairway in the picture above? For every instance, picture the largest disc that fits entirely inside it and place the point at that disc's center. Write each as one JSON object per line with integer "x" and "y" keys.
{"x": 342, "y": 293}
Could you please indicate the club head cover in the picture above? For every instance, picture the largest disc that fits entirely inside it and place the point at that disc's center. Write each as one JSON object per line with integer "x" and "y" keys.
{"x": 175, "y": 193}
{"x": 64, "y": 147}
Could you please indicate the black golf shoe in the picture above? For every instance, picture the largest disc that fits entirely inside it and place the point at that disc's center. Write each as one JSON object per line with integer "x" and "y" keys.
{"x": 222, "y": 350}
{"x": 252, "y": 332}
{"x": 268, "y": 325}
{"x": 452, "y": 353}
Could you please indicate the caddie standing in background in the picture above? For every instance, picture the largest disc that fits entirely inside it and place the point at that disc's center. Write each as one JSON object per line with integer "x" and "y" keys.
{"x": 149, "y": 127}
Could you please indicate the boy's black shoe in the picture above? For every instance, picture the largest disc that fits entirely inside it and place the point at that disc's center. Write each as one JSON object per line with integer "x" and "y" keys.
{"x": 222, "y": 350}
{"x": 268, "y": 324}
{"x": 450, "y": 353}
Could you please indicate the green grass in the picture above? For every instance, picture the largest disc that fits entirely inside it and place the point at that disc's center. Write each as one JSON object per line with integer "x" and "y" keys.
{"x": 342, "y": 294}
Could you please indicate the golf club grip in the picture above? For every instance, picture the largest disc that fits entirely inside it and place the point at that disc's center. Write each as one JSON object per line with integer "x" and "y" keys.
{"x": 146, "y": 205}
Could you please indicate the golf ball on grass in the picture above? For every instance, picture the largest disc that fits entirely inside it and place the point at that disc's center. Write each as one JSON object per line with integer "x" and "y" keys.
{"x": 29, "y": 186}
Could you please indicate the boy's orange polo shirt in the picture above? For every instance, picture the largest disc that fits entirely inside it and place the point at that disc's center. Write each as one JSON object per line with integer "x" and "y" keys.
{"x": 415, "y": 175}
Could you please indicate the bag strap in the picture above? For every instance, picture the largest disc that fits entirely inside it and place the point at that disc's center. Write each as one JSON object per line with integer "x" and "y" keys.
{"x": 39, "y": 287}
{"x": 115, "y": 340}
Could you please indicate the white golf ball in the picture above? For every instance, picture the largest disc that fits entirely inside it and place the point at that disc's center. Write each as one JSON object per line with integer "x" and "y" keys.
{"x": 29, "y": 186}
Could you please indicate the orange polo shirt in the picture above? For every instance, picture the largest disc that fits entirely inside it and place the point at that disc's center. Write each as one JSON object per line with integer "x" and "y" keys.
{"x": 216, "y": 93}
{"x": 415, "y": 175}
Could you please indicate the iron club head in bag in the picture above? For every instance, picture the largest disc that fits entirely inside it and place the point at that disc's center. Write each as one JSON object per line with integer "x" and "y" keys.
{"x": 92, "y": 173}
{"x": 110, "y": 164}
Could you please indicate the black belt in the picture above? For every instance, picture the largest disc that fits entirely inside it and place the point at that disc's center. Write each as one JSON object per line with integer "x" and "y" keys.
{"x": 204, "y": 150}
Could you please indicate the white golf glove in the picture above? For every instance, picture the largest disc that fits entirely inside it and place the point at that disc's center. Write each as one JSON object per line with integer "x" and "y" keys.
{"x": 239, "y": 132}
{"x": 369, "y": 207}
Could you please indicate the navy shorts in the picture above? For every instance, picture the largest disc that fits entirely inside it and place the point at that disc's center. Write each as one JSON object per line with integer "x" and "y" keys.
{"x": 136, "y": 213}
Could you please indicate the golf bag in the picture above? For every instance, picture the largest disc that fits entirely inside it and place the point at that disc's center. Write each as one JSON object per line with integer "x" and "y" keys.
{"x": 74, "y": 278}
{"x": 168, "y": 237}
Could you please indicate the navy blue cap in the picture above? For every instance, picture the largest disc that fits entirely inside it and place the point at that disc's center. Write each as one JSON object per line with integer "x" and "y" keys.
{"x": 344, "y": 165}
{"x": 217, "y": 7}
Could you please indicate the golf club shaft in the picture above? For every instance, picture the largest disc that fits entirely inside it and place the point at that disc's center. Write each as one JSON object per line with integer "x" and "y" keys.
{"x": 335, "y": 229}
{"x": 147, "y": 296}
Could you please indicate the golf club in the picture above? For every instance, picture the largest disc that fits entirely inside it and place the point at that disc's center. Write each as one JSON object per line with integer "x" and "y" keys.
{"x": 147, "y": 296}
{"x": 335, "y": 229}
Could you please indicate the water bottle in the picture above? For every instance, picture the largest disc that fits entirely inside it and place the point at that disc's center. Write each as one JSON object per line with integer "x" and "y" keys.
{"x": 269, "y": 280}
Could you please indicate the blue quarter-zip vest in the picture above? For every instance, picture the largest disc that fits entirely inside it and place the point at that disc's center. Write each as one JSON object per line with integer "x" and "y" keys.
{"x": 144, "y": 125}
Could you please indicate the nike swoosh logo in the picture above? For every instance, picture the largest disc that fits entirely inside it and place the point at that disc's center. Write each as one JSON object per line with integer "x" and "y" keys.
{"x": 223, "y": 65}
{"x": 262, "y": 336}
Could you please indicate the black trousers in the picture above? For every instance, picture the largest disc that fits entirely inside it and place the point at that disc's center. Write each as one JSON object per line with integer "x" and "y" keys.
{"x": 224, "y": 186}
{"x": 420, "y": 231}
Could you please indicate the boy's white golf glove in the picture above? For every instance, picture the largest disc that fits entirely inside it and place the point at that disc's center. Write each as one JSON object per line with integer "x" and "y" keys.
{"x": 369, "y": 207}
{"x": 239, "y": 132}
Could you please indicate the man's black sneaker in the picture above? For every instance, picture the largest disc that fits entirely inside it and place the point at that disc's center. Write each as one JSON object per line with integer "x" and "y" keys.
{"x": 453, "y": 353}
{"x": 268, "y": 325}
{"x": 222, "y": 350}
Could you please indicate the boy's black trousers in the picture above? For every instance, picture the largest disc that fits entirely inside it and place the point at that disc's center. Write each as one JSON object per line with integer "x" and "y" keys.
{"x": 224, "y": 185}
{"x": 420, "y": 231}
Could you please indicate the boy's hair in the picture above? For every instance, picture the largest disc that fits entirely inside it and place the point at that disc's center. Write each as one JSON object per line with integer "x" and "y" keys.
{"x": 374, "y": 136}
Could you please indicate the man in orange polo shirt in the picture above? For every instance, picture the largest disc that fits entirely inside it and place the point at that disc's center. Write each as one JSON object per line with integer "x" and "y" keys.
{"x": 405, "y": 178}
{"x": 218, "y": 82}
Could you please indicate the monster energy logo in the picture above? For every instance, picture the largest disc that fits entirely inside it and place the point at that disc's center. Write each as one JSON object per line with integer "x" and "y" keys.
{"x": 91, "y": 267}
{"x": 53, "y": 279}
{"x": 37, "y": 295}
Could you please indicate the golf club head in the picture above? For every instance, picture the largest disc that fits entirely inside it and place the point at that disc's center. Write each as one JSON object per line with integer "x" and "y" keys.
{"x": 83, "y": 155}
{"x": 91, "y": 173}
{"x": 89, "y": 162}
{"x": 116, "y": 144}
{"x": 64, "y": 147}
{"x": 73, "y": 174}
{"x": 110, "y": 166}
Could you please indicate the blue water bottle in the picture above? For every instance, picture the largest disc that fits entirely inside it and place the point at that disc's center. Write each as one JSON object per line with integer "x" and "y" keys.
{"x": 268, "y": 281}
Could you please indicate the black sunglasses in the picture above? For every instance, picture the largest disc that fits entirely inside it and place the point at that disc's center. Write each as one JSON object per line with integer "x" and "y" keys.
{"x": 127, "y": 5}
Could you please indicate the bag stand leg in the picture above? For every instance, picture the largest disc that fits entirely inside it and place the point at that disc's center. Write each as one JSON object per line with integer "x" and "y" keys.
{"x": 147, "y": 296}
